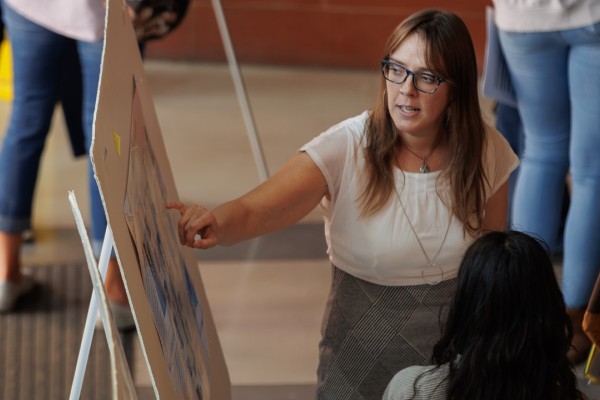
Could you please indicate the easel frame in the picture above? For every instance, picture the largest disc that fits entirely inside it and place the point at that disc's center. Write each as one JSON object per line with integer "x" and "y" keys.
{"x": 122, "y": 385}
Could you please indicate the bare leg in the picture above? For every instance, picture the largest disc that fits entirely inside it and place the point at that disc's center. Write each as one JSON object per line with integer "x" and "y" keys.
{"x": 13, "y": 284}
{"x": 115, "y": 289}
{"x": 10, "y": 256}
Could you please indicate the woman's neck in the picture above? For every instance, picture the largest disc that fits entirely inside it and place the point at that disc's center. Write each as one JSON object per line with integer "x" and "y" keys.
{"x": 422, "y": 145}
{"x": 421, "y": 154}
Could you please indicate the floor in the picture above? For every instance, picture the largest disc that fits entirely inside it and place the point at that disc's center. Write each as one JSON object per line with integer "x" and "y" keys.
{"x": 267, "y": 295}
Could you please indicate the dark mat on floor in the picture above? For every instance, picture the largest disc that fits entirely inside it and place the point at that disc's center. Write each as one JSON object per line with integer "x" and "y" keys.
{"x": 256, "y": 392}
{"x": 40, "y": 340}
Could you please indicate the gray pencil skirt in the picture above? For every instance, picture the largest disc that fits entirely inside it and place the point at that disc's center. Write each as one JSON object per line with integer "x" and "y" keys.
{"x": 371, "y": 331}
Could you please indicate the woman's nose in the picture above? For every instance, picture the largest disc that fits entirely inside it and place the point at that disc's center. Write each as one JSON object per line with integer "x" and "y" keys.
{"x": 407, "y": 87}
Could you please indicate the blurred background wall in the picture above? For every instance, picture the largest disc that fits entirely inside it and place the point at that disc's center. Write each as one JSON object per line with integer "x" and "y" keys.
{"x": 321, "y": 33}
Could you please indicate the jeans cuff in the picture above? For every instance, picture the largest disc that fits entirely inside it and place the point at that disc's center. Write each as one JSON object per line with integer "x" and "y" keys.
{"x": 14, "y": 225}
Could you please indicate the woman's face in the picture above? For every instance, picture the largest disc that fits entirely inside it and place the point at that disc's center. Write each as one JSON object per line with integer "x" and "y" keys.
{"x": 415, "y": 112}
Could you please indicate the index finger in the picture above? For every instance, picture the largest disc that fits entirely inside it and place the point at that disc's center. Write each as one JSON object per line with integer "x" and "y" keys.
{"x": 176, "y": 205}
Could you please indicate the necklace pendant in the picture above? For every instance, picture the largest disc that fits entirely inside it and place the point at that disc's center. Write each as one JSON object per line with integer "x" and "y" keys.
{"x": 433, "y": 277}
{"x": 424, "y": 168}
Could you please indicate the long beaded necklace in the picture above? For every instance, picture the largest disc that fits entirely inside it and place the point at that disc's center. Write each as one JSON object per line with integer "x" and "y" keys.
{"x": 430, "y": 261}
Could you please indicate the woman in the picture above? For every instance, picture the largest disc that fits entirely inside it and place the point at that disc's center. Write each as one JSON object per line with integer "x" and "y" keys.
{"x": 46, "y": 43}
{"x": 552, "y": 49}
{"x": 507, "y": 332}
{"x": 405, "y": 188}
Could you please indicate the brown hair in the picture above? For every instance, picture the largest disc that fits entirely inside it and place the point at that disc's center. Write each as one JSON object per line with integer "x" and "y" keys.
{"x": 450, "y": 55}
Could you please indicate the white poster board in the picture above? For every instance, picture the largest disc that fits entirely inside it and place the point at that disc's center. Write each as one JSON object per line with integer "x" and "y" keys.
{"x": 165, "y": 290}
{"x": 496, "y": 80}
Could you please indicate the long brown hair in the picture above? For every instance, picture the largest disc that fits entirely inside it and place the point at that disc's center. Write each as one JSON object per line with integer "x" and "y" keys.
{"x": 450, "y": 55}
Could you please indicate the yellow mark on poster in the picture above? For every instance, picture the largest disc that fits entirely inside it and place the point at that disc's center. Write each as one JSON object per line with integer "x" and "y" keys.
{"x": 117, "y": 141}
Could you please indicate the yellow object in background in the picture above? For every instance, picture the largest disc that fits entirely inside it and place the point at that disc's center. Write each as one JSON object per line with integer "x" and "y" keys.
{"x": 592, "y": 366}
{"x": 6, "y": 83}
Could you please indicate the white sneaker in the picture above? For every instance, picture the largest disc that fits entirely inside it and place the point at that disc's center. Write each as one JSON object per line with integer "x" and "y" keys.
{"x": 122, "y": 315}
{"x": 10, "y": 292}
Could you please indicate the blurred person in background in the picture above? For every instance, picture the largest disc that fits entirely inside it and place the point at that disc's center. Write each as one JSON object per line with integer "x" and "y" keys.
{"x": 552, "y": 49}
{"x": 56, "y": 55}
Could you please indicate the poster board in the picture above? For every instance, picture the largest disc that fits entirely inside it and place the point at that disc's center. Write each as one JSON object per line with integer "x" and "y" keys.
{"x": 173, "y": 319}
{"x": 496, "y": 80}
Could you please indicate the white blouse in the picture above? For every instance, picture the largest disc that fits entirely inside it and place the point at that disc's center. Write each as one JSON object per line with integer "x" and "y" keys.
{"x": 545, "y": 15}
{"x": 76, "y": 19}
{"x": 383, "y": 248}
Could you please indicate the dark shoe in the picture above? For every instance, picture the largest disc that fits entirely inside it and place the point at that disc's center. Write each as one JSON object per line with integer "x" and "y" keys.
{"x": 581, "y": 343}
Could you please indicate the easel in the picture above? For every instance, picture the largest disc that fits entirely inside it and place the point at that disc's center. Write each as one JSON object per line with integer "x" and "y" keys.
{"x": 241, "y": 92}
{"x": 97, "y": 274}
{"x": 108, "y": 242}
{"x": 90, "y": 322}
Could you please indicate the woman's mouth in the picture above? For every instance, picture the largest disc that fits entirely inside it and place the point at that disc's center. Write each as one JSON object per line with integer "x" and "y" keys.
{"x": 408, "y": 109}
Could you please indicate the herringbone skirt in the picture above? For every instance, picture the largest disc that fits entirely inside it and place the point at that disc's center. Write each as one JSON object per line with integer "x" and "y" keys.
{"x": 371, "y": 331}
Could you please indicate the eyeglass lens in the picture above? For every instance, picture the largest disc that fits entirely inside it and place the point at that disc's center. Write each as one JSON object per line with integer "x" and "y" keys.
{"x": 398, "y": 74}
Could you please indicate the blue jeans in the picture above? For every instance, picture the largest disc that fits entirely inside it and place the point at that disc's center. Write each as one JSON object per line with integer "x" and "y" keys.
{"x": 556, "y": 76}
{"x": 38, "y": 57}
{"x": 508, "y": 123}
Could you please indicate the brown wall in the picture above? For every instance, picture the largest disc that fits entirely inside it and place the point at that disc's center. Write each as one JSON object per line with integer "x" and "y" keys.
{"x": 323, "y": 33}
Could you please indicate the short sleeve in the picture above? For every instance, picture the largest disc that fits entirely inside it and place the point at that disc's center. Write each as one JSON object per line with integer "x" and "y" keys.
{"x": 401, "y": 386}
{"x": 418, "y": 383}
{"x": 331, "y": 149}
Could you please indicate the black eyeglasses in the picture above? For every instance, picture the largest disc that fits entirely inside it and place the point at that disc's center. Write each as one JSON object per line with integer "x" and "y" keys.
{"x": 422, "y": 81}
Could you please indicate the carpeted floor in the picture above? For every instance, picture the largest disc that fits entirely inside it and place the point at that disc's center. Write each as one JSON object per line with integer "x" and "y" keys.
{"x": 39, "y": 345}
{"x": 39, "y": 342}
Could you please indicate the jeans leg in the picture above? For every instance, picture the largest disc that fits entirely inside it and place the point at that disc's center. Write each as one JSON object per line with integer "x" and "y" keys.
{"x": 90, "y": 56}
{"x": 581, "y": 262}
{"x": 538, "y": 65}
{"x": 508, "y": 123}
{"x": 36, "y": 59}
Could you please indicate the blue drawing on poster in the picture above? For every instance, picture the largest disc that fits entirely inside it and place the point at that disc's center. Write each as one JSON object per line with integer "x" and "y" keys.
{"x": 175, "y": 306}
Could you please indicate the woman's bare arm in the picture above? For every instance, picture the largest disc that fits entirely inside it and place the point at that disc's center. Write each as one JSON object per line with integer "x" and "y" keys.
{"x": 280, "y": 201}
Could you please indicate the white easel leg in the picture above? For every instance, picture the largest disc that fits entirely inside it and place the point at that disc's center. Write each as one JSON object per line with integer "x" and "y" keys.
{"x": 241, "y": 92}
{"x": 90, "y": 322}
